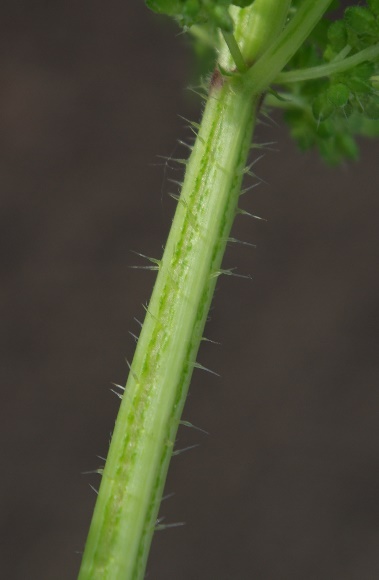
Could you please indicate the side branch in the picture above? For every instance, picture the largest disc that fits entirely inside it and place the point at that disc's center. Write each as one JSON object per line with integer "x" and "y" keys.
{"x": 326, "y": 70}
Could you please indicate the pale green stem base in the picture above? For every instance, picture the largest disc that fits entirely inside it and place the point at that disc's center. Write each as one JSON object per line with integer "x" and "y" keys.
{"x": 143, "y": 440}
{"x": 144, "y": 435}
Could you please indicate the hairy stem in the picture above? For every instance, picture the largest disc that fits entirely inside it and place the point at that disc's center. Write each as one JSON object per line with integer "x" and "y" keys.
{"x": 126, "y": 510}
{"x": 144, "y": 436}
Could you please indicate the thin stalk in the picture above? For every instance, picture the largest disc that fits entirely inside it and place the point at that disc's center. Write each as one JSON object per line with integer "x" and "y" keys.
{"x": 325, "y": 70}
{"x": 286, "y": 101}
{"x": 342, "y": 54}
{"x": 235, "y": 51}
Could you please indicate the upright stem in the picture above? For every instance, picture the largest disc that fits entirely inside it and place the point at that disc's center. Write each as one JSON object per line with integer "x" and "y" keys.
{"x": 144, "y": 436}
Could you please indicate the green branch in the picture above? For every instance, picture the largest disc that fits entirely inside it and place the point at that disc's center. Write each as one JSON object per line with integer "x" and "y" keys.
{"x": 280, "y": 52}
{"x": 235, "y": 51}
{"x": 326, "y": 70}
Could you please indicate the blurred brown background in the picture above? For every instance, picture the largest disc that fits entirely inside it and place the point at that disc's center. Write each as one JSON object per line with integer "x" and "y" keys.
{"x": 286, "y": 484}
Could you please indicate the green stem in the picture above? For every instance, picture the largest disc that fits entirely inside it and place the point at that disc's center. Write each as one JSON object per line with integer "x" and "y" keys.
{"x": 325, "y": 70}
{"x": 342, "y": 54}
{"x": 255, "y": 28}
{"x": 144, "y": 436}
{"x": 279, "y": 53}
{"x": 286, "y": 101}
{"x": 235, "y": 51}
{"x": 132, "y": 484}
